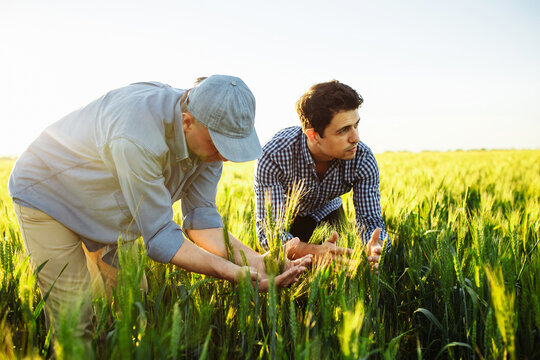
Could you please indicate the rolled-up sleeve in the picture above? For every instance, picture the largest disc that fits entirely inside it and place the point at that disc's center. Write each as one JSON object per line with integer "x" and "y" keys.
{"x": 367, "y": 199}
{"x": 141, "y": 180}
{"x": 199, "y": 200}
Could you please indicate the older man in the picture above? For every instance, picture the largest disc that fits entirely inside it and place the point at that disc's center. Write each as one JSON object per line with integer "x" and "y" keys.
{"x": 115, "y": 167}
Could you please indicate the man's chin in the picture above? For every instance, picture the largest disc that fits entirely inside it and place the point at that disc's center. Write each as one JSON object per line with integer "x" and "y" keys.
{"x": 348, "y": 155}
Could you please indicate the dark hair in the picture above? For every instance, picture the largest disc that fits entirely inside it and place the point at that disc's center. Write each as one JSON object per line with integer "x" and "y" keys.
{"x": 321, "y": 102}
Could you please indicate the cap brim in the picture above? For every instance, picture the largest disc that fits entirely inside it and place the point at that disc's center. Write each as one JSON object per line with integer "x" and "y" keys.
{"x": 237, "y": 149}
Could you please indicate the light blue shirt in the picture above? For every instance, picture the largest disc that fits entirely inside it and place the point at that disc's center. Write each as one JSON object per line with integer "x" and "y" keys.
{"x": 115, "y": 167}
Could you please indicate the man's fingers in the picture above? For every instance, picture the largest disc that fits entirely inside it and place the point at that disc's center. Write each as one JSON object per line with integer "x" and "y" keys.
{"x": 290, "y": 246}
{"x": 328, "y": 259}
{"x": 343, "y": 261}
{"x": 263, "y": 285}
{"x": 293, "y": 242}
{"x": 341, "y": 251}
{"x": 375, "y": 237}
{"x": 290, "y": 276}
{"x": 255, "y": 276}
{"x": 333, "y": 238}
{"x": 303, "y": 261}
{"x": 284, "y": 279}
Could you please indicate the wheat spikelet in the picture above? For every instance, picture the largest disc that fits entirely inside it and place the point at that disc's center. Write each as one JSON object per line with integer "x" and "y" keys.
{"x": 175, "y": 331}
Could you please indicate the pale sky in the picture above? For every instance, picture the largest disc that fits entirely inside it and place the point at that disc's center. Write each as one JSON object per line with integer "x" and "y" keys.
{"x": 435, "y": 75}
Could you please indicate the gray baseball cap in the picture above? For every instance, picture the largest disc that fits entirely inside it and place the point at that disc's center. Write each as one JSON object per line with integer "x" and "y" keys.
{"x": 226, "y": 106}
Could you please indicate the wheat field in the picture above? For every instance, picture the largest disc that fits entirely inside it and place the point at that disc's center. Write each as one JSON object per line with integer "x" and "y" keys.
{"x": 461, "y": 281}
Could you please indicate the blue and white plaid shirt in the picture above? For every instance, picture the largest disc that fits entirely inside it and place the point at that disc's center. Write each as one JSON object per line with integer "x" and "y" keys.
{"x": 286, "y": 160}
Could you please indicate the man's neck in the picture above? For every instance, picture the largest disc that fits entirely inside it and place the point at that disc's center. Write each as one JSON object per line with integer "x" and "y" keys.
{"x": 316, "y": 154}
{"x": 322, "y": 161}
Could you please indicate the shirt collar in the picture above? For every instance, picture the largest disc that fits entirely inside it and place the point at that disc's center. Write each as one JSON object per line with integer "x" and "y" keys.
{"x": 176, "y": 139}
{"x": 304, "y": 150}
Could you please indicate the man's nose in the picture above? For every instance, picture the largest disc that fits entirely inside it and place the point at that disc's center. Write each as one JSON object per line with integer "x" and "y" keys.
{"x": 354, "y": 138}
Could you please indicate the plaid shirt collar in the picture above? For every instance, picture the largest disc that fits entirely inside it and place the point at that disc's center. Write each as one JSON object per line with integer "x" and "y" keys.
{"x": 304, "y": 150}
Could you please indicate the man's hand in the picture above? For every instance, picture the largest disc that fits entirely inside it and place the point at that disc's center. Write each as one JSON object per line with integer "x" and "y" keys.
{"x": 290, "y": 275}
{"x": 330, "y": 249}
{"x": 211, "y": 259}
{"x": 303, "y": 261}
{"x": 327, "y": 252}
{"x": 374, "y": 249}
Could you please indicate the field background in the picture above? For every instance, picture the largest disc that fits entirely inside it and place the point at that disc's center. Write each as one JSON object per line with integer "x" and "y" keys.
{"x": 462, "y": 279}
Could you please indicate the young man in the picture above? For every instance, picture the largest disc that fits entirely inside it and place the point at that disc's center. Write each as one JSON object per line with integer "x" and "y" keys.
{"x": 115, "y": 167}
{"x": 327, "y": 156}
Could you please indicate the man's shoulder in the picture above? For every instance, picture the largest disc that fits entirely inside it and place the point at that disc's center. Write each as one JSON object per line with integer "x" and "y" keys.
{"x": 283, "y": 140}
{"x": 144, "y": 113}
{"x": 146, "y": 96}
{"x": 364, "y": 163}
{"x": 363, "y": 151}
{"x": 364, "y": 156}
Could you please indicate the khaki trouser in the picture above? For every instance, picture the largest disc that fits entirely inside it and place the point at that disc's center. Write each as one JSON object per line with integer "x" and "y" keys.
{"x": 45, "y": 239}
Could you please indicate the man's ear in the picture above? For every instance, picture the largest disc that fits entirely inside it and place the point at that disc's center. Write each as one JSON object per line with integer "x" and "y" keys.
{"x": 187, "y": 120}
{"x": 310, "y": 133}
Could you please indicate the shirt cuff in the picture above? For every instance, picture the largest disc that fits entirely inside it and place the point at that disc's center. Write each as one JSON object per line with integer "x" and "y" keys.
{"x": 165, "y": 243}
{"x": 202, "y": 218}
{"x": 287, "y": 236}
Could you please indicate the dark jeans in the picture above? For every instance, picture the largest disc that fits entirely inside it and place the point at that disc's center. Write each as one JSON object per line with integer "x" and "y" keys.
{"x": 303, "y": 226}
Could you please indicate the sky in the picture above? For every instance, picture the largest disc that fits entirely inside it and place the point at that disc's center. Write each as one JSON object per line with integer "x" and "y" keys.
{"x": 434, "y": 75}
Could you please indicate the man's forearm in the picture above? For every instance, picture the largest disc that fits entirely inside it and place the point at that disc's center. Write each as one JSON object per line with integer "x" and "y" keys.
{"x": 213, "y": 240}
{"x": 192, "y": 258}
